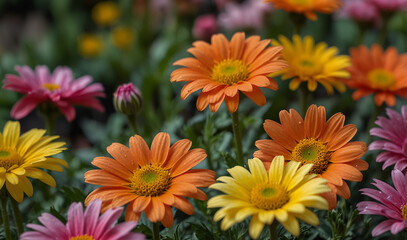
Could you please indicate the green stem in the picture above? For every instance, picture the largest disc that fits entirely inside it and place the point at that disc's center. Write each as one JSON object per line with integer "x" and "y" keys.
{"x": 132, "y": 120}
{"x": 304, "y": 99}
{"x": 273, "y": 230}
{"x": 383, "y": 30}
{"x": 156, "y": 231}
{"x": 238, "y": 138}
{"x": 17, "y": 215}
{"x": 50, "y": 124}
{"x": 298, "y": 21}
{"x": 361, "y": 35}
{"x": 4, "y": 214}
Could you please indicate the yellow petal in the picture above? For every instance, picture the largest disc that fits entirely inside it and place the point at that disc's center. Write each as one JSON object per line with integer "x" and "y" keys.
{"x": 41, "y": 175}
{"x": 291, "y": 224}
{"x": 243, "y": 213}
{"x": 15, "y": 191}
{"x": 11, "y": 134}
{"x": 276, "y": 169}
{"x": 242, "y": 176}
{"x": 18, "y": 171}
{"x": 25, "y": 185}
{"x": 12, "y": 178}
{"x": 266, "y": 217}
{"x": 281, "y": 215}
{"x": 255, "y": 227}
{"x": 308, "y": 217}
{"x": 258, "y": 170}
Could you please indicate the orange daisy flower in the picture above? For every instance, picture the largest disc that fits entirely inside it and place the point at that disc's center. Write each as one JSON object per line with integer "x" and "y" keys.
{"x": 222, "y": 69}
{"x": 375, "y": 71}
{"x": 150, "y": 180}
{"x": 315, "y": 140}
{"x": 306, "y": 7}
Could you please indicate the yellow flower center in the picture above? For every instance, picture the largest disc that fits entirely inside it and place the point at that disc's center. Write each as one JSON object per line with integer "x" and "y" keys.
{"x": 381, "y": 79}
{"x": 310, "y": 150}
{"x": 301, "y": 2}
{"x": 150, "y": 180}
{"x": 230, "y": 71}
{"x": 268, "y": 196}
{"x": 82, "y": 237}
{"x": 404, "y": 212}
{"x": 10, "y": 159}
{"x": 307, "y": 66}
{"x": 50, "y": 86}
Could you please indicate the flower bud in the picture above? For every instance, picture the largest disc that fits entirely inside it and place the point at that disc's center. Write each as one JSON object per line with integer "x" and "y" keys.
{"x": 128, "y": 99}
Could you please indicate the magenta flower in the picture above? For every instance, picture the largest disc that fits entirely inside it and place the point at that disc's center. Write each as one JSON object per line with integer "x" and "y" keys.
{"x": 389, "y": 5}
{"x": 59, "y": 88}
{"x": 83, "y": 225}
{"x": 360, "y": 11}
{"x": 392, "y": 203}
{"x": 393, "y": 130}
{"x": 205, "y": 26}
{"x": 127, "y": 99}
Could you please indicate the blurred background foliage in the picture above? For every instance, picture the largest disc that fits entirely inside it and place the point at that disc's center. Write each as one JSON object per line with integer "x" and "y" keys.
{"x": 137, "y": 41}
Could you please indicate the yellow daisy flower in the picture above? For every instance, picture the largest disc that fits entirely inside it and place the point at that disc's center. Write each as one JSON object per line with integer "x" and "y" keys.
{"x": 282, "y": 193}
{"x": 106, "y": 13}
{"x": 312, "y": 63}
{"x": 90, "y": 45}
{"x": 21, "y": 156}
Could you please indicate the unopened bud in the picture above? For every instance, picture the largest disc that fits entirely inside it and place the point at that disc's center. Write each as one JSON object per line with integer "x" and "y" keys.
{"x": 128, "y": 99}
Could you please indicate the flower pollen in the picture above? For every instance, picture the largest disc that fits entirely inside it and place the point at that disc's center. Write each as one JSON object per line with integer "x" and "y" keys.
{"x": 268, "y": 196}
{"x": 230, "y": 71}
{"x": 381, "y": 79}
{"x": 50, "y": 86}
{"x": 404, "y": 212}
{"x": 9, "y": 158}
{"x": 82, "y": 237}
{"x": 150, "y": 180}
{"x": 314, "y": 151}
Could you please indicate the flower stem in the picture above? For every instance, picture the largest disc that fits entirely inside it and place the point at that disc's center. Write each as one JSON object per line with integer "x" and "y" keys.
{"x": 238, "y": 138}
{"x": 273, "y": 230}
{"x": 4, "y": 214}
{"x": 156, "y": 231}
{"x": 383, "y": 30}
{"x": 132, "y": 120}
{"x": 304, "y": 99}
{"x": 17, "y": 215}
{"x": 298, "y": 21}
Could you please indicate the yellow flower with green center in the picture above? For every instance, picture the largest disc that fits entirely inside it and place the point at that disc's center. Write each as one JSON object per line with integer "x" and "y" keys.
{"x": 282, "y": 193}
{"x": 21, "y": 156}
{"x": 312, "y": 64}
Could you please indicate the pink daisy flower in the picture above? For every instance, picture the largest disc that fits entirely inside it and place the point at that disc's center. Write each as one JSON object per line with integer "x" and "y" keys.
{"x": 389, "y": 5}
{"x": 360, "y": 11}
{"x": 83, "y": 225}
{"x": 392, "y": 204}
{"x": 393, "y": 130}
{"x": 59, "y": 88}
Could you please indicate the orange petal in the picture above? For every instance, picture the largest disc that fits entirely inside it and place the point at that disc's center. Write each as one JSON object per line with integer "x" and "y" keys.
{"x": 277, "y": 133}
{"x": 350, "y": 152}
{"x": 112, "y": 166}
{"x": 140, "y": 203}
{"x": 231, "y": 91}
{"x": 232, "y": 103}
{"x": 177, "y": 151}
{"x": 159, "y": 148}
{"x": 346, "y": 172}
{"x": 220, "y": 46}
{"x": 168, "y": 219}
{"x": 333, "y": 125}
{"x": 183, "y": 205}
{"x": 155, "y": 210}
{"x": 237, "y": 44}
{"x": 122, "y": 154}
{"x": 269, "y": 149}
{"x": 293, "y": 124}
{"x": 123, "y": 199}
{"x": 330, "y": 196}
{"x": 342, "y": 137}
{"x": 103, "y": 178}
{"x": 139, "y": 150}
{"x": 130, "y": 215}
{"x": 190, "y": 159}
{"x": 314, "y": 121}
{"x": 202, "y": 101}
{"x": 256, "y": 95}
{"x": 260, "y": 81}
{"x": 198, "y": 177}
{"x": 359, "y": 164}
{"x": 343, "y": 190}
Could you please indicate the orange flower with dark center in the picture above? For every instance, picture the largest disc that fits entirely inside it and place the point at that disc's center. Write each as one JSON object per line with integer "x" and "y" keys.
{"x": 150, "y": 180}
{"x": 315, "y": 140}
{"x": 307, "y": 7}
{"x": 375, "y": 71}
{"x": 222, "y": 69}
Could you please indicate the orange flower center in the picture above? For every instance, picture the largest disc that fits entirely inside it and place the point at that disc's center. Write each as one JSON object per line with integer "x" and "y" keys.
{"x": 150, "y": 180}
{"x": 50, "y": 86}
{"x": 307, "y": 66}
{"x": 268, "y": 196}
{"x": 82, "y": 237}
{"x": 404, "y": 212}
{"x": 301, "y": 2}
{"x": 230, "y": 71}
{"x": 9, "y": 159}
{"x": 310, "y": 150}
{"x": 381, "y": 79}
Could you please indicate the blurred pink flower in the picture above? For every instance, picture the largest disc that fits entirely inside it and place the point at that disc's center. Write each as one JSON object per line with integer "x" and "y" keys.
{"x": 59, "y": 88}
{"x": 360, "y": 11}
{"x": 391, "y": 204}
{"x": 248, "y": 15}
{"x": 83, "y": 225}
{"x": 389, "y": 5}
{"x": 204, "y": 27}
{"x": 393, "y": 130}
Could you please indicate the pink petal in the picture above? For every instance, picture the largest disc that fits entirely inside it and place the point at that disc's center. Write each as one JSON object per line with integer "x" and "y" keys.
{"x": 23, "y": 107}
{"x": 75, "y": 220}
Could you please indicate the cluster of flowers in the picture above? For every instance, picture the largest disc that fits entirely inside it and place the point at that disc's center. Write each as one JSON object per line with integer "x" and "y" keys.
{"x": 304, "y": 164}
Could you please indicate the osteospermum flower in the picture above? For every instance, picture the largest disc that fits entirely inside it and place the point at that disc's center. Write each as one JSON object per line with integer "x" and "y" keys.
{"x": 393, "y": 130}
{"x": 375, "y": 71}
{"x": 310, "y": 63}
{"x": 308, "y": 7}
{"x": 150, "y": 180}
{"x": 222, "y": 69}
{"x": 21, "y": 156}
{"x": 392, "y": 204}
{"x": 315, "y": 140}
{"x": 282, "y": 193}
{"x": 82, "y": 225}
{"x": 59, "y": 89}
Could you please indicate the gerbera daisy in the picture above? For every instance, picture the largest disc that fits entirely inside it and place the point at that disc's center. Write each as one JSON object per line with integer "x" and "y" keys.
{"x": 315, "y": 140}
{"x": 393, "y": 130}
{"x": 282, "y": 193}
{"x": 21, "y": 156}
{"x": 222, "y": 69}
{"x": 60, "y": 89}
{"x": 306, "y": 7}
{"x": 375, "y": 71}
{"x": 392, "y": 203}
{"x": 150, "y": 180}
{"x": 82, "y": 225}
{"x": 312, "y": 63}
